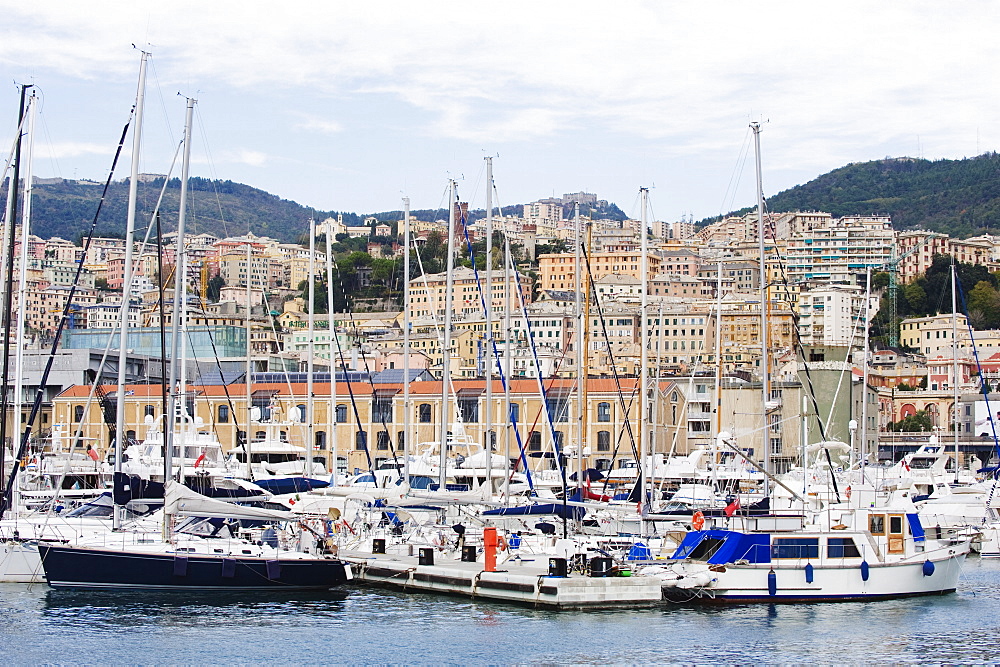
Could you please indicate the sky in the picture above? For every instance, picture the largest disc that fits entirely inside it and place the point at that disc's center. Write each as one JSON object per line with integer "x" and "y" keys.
{"x": 351, "y": 106}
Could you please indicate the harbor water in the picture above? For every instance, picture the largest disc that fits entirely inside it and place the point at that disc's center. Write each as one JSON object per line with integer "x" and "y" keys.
{"x": 364, "y": 625}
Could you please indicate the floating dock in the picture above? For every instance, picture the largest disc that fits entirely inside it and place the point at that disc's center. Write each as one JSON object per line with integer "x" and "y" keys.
{"x": 519, "y": 581}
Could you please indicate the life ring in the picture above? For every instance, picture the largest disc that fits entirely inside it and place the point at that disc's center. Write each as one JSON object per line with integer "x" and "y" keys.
{"x": 847, "y": 492}
{"x": 501, "y": 543}
{"x": 698, "y": 520}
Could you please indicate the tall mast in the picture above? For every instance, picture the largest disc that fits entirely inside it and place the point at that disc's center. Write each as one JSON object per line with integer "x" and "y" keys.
{"x": 643, "y": 349}
{"x": 249, "y": 368}
{"x": 864, "y": 375}
{"x": 331, "y": 326}
{"x": 765, "y": 380}
{"x": 180, "y": 299}
{"x": 488, "y": 375}
{"x": 954, "y": 360}
{"x": 123, "y": 324}
{"x": 310, "y": 362}
{"x": 22, "y": 296}
{"x": 406, "y": 338}
{"x": 581, "y": 374}
{"x": 446, "y": 342}
{"x": 716, "y": 445}
{"x": 508, "y": 284}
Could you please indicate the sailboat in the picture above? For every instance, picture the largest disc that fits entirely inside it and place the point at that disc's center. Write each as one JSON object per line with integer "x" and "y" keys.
{"x": 210, "y": 553}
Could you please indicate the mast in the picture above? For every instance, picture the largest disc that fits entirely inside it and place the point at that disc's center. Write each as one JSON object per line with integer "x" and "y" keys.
{"x": 180, "y": 298}
{"x": 488, "y": 416}
{"x": 446, "y": 342}
{"x": 406, "y": 338}
{"x": 22, "y": 297}
{"x": 765, "y": 379}
{"x": 249, "y": 368}
{"x": 581, "y": 375}
{"x": 864, "y": 375}
{"x": 310, "y": 362}
{"x": 643, "y": 351}
{"x": 508, "y": 362}
{"x": 123, "y": 324}
{"x": 332, "y": 413}
{"x": 954, "y": 360}
{"x": 9, "y": 232}
{"x": 718, "y": 378}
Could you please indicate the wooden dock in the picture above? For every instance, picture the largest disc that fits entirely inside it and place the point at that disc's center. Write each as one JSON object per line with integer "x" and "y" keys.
{"x": 523, "y": 582}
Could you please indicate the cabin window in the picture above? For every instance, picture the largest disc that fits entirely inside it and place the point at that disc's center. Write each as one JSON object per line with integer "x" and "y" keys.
{"x": 341, "y": 415}
{"x": 468, "y": 408}
{"x": 896, "y": 539}
{"x": 78, "y": 413}
{"x": 320, "y": 439}
{"x": 535, "y": 441}
{"x": 603, "y": 464}
{"x": 223, "y": 414}
{"x": 604, "y": 441}
{"x": 150, "y": 411}
{"x": 361, "y": 441}
{"x": 795, "y": 547}
{"x": 260, "y": 435}
{"x": 876, "y": 524}
{"x": 382, "y": 440}
{"x": 424, "y": 413}
{"x": 842, "y": 547}
{"x": 603, "y": 412}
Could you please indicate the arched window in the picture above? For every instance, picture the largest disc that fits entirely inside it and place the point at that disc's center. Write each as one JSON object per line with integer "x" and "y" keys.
{"x": 150, "y": 411}
{"x": 223, "y": 414}
{"x": 603, "y": 412}
{"x": 302, "y": 412}
{"x": 382, "y": 440}
{"x": 424, "y": 413}
{"x": 78, "y": 413}
{"x": 604, "y": 441}
{"x": 341, "y": 414}
{"x": 361, "y": 441}
{"x": 535, "y": 441}
{"x": 320, "y": 439}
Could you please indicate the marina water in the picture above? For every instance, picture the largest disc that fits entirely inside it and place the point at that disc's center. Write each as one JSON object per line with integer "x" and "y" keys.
{"x": 370, "y": 625}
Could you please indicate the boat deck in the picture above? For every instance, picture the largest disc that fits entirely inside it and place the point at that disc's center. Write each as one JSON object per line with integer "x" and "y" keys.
{"x": 520, "y": 581}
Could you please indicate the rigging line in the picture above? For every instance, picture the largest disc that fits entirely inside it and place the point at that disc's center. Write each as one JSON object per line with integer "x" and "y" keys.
{"x": 215, "y": 178}
{"x": 611, "y": 357}
{"x": 734, "y": 178}
{"x": 36, "y": 406}
{"x": 983, "y": 385}
{"x": 163, "y": 106}
{"x": 350, "y": 389}
{"x": 371, "y": 383}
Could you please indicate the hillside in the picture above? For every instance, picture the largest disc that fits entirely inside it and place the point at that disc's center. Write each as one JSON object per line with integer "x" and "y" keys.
{"x": 958, "y": 197}
{"x": 65, "y": 208}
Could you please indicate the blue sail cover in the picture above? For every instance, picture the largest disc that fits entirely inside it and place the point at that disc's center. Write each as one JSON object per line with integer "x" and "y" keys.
{"x": 725, "y": 546}
{"x": 916, "y": 528}
{"x": 565, "y": 512}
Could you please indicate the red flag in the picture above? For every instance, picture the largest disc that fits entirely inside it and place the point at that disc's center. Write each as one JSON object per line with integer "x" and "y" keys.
{"x": 199, "y": 460}
{"x": 732, "y": 507}
{"x": 93, "y": 454}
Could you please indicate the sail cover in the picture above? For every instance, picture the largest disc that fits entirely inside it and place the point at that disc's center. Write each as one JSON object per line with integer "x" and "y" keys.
{"x": 183, "y": 501}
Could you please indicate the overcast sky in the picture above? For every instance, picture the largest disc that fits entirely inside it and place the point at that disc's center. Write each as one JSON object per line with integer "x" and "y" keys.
{"x": 351, "y": 105}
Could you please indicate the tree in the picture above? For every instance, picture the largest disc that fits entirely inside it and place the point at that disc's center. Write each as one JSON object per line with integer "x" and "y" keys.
{"x": 916, "y": 298}
{"x": 214, "y": 288}
{"x": 920, "y": 421}
{"x": 985, "y": 299}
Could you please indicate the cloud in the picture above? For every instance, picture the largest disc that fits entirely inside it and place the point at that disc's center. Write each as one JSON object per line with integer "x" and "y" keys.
{"x": 250, "y": 158}
{"x": 69, "y": 149}
{"x": 317, "y": 124}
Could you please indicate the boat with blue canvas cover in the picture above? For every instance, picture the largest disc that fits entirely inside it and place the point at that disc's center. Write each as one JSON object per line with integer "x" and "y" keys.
{"x": 854, "y": 550}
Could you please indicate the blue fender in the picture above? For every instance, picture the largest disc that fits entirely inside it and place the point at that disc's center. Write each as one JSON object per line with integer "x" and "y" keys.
{"x": 864, "y": 570}
{"x": 772, "y": 583}
{"x": 809, "y": 573}
{"x": 928, "y": 568}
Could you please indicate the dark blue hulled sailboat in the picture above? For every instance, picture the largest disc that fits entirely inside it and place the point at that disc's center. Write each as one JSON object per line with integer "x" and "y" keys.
{"x": 204, "y": 555}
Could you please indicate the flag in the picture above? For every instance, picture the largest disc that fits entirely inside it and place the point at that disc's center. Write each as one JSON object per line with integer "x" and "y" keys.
{"x": 199, "y": 460}
{"x": 93, "y": 454}
{"x": 733, "y": 507}
{"x": 906, "y": 465}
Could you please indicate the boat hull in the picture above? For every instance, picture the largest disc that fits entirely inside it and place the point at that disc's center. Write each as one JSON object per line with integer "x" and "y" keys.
{"x": 842, "y": 583}
{"x": 84, "y": 567}
{"x": 19, "y": 563}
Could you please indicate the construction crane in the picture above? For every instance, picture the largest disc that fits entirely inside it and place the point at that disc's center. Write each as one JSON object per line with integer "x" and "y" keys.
{"x": 892, "y": 267}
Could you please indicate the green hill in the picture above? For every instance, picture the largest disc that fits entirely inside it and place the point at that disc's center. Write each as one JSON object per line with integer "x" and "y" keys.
{"x": 65, "y": 208}
{"x": 958, "y": 197}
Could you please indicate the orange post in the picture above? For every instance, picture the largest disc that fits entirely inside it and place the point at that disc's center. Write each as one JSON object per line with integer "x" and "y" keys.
{"x": 490, "y": 547}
